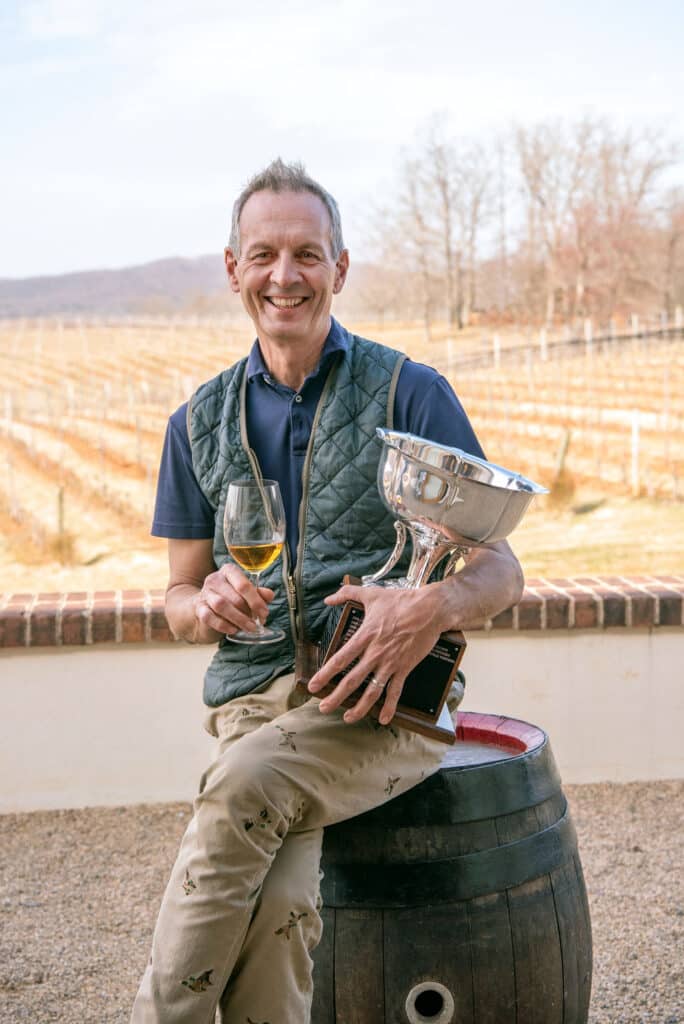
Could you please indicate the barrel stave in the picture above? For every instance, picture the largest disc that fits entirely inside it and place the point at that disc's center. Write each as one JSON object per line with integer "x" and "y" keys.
{"x": 572, "y": 911}
{"x": 492, "y": 961}
{"x": 536, "y": 952}
{"x": 359, "y": 985}
{"x": 427, "y": 944}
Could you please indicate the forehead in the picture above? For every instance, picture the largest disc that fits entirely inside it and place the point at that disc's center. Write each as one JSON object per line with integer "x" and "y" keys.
{"x": 284, "y": 216}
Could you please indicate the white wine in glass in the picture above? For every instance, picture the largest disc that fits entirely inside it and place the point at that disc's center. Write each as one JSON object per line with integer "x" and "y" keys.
{"x": 254, "y": 531}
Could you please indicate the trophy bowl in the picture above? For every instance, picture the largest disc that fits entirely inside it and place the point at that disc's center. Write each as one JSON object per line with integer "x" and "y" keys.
{"x": 466, "y": 499}
{"x": 448, "y": 500}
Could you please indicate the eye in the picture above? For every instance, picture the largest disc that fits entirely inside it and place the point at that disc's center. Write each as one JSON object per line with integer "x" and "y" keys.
{"x": 307, "y": 254}
{"x": 261, "y": 256}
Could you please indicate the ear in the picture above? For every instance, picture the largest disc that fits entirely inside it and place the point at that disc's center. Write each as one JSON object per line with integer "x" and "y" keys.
{"x": 230, "y": 260}
{"x": 341, "y": 268}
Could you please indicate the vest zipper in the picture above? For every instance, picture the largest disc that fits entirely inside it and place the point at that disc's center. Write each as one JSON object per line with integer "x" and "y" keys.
{"x": 291, "y": 598}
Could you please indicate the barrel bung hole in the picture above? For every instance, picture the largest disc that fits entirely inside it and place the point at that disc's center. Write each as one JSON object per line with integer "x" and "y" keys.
{"x": 429, "y": 1003}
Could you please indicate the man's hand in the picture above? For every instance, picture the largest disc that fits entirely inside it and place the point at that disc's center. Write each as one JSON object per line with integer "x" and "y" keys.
{"x": 399, "y": 628}
{"x": 203, "y": 603}
{"x": 228, "y": 602}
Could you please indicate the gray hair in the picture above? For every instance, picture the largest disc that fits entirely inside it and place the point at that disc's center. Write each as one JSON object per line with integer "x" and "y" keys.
{"x": 282, "y": 177}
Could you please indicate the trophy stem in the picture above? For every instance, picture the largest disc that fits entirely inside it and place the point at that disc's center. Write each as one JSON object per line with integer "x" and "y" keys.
{"x": 428, "y": 550}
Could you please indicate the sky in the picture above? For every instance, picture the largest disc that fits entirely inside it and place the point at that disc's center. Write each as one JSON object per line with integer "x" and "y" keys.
{"x": 128, "y": 128}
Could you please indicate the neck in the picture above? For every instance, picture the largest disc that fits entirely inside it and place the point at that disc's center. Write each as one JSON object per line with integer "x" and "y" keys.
{"x": 291, "y": 363}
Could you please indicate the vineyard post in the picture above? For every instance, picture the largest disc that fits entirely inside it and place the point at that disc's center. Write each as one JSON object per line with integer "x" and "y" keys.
{"x": 666, "y": 410}
{"x": 60, "y": 515}
{"x": 528, "y": 368}
{"x": 636, "y": 484}
{"x": 679, "y": 318}
{"x": 543, "y": 346}
{"x": 588, "y": 336}
{"x": 496, "y": 342}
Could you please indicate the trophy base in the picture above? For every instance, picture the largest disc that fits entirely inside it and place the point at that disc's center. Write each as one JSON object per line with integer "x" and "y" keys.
{"x": 423, "y": 707}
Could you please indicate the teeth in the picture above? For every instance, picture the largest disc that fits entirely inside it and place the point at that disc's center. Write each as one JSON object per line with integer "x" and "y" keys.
{"x": 285, "y": 303}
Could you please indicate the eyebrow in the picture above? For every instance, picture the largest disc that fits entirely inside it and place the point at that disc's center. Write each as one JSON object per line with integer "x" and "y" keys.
{"x": 257, "y": 246}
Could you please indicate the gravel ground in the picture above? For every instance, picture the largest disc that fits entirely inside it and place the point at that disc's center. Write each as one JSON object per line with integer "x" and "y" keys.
{"x": 79, "y": 892}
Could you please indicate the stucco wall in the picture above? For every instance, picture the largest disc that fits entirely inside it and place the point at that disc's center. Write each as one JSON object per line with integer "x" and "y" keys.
{"x": 122, "y": 723}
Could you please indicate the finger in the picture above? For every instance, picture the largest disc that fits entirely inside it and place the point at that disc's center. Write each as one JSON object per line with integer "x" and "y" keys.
{"x": 352, "y": 649}
{"x": 392, "y": 697}
{"x": 346, "y": 686}
{"x": 222, "y": 615}
{"x": 373, "y": 692}
{"x": 256, "y": 606}
{"x": 347, "y": 593}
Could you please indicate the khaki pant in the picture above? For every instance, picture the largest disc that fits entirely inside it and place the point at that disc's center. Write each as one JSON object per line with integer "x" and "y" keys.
{"x": 239, "y": 917}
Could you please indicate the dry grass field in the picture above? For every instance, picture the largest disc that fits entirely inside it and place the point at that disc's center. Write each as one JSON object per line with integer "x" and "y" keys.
{"x": 83, "y": 410}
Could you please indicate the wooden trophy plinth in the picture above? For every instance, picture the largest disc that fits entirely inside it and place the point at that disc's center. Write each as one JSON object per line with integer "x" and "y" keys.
{"x": 422, "y": 707}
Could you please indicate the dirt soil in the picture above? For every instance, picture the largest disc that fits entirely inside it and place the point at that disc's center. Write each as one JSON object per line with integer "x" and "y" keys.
{"x": 80, "y": 889}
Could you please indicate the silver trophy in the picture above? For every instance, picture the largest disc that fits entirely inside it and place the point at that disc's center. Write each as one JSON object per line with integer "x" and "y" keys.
{"x": 448, "y": 501}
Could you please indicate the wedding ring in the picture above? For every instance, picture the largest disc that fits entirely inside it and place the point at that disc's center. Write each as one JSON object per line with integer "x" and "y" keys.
{"x": 373, "y": 681}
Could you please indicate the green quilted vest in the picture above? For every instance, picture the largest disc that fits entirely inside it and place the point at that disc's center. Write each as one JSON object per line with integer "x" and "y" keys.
{"x": 343, "y": 525}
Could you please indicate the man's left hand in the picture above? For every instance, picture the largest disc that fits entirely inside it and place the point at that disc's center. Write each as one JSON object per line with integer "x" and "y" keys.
{"x": 399, "y": 628}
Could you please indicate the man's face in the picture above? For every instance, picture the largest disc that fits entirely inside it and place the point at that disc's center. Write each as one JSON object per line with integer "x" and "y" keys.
{"x": 286, "y": 273}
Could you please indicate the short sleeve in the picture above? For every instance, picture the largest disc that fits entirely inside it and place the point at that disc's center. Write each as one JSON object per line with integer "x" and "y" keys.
{"x": 181, "y": 510}
{"x": 425, "y": 404}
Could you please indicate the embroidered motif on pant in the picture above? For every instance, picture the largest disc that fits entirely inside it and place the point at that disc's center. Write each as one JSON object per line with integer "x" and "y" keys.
{"x": 200, "y": 982}
{"x": 391, "y": 783}
{"x": 189, "y": 884}
{"x": 286, "y": 741}
{"x": 292, "y": 923}
{"x": 261, "y": 822}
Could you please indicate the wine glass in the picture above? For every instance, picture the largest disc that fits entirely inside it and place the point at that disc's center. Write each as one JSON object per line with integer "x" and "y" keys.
{"x": 254, "y": 531}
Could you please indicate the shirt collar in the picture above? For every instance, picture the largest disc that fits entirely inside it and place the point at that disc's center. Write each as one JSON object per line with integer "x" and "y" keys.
{"x": 336, "y": 341}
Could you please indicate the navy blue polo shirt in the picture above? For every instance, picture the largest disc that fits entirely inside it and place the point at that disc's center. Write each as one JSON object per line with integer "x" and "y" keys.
{"x": 279, "y": 422}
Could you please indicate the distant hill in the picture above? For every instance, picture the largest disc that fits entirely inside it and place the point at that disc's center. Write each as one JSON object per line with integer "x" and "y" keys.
{"x": 182, "y": 286}
{"x": 168, "y": 285}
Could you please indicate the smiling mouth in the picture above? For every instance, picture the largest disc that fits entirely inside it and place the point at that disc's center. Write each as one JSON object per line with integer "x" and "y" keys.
{"x": 283, "y": 303}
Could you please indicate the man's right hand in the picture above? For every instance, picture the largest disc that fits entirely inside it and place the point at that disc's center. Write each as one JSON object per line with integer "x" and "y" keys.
{"x": 203, "y": 603}
{"x": 228, "y": 602}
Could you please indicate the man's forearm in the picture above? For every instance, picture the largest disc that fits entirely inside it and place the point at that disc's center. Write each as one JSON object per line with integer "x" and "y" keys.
{"x": 490, "y": 582}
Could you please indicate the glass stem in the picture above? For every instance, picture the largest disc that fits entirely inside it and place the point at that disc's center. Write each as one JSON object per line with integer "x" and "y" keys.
{"x": 255, "y": 580}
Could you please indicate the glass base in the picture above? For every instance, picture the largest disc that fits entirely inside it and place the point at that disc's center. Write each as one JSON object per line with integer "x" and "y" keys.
{"x": 264, "y": 636}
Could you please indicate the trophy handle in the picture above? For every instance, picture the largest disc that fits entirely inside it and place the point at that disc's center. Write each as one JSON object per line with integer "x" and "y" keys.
{"x": 393, "y": 558}
{"x": 453, "y": 560}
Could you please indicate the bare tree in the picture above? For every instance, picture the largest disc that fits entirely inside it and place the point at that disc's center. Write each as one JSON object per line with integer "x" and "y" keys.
{"x": 554, "y": 166}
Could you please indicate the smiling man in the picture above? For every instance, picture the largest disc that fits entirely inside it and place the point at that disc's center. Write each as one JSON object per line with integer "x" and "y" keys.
{"x": 240, "y": 916}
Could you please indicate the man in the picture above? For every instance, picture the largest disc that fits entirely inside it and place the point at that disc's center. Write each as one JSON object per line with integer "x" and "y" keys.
{"x": 240, "y": 913}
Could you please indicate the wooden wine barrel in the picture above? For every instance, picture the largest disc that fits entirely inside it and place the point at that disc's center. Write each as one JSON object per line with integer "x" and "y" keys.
{"x": 461, "y": 901}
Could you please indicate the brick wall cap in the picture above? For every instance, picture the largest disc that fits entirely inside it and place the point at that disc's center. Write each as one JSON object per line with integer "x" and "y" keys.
{"x": 80, "y": 618}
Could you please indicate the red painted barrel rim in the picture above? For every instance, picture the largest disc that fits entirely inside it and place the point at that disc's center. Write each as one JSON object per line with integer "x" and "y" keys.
{"x": 499, "y": 731}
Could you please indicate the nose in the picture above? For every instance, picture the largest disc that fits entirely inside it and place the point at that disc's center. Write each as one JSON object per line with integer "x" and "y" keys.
{"x": 284, "y": 271}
